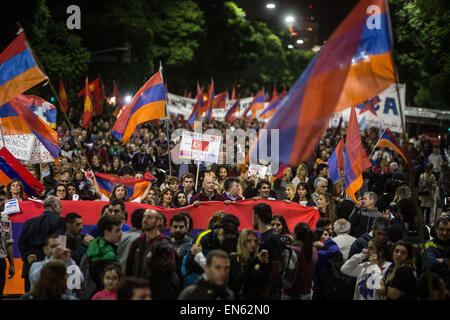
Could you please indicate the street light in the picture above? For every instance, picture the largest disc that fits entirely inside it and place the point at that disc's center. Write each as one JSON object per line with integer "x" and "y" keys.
{"x": 300, "y": 41}
{"x": 270, "y": 6}
{"x": 289, "y": 19}
{"x": 127, "y": 99}
{"x": 290, "y": 46}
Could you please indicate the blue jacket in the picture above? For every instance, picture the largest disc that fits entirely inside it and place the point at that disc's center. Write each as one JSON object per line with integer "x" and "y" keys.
{"x": 330, "y": 251}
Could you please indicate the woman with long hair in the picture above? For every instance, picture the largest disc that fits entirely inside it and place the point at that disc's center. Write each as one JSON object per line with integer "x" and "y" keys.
{"x": 369, "y": 268}
{"x": 426, "y": 189}
{"x": 302, "y": 174}
{"x": 307, "y": 258}
{"x": 303, "y": 195}
{"x": 325, "y": 204}
{"x": 280, "y": 225}
{"x": 52, "y": 283}
{"x": 166, "y": 198}
{"x": 399, "y": 282}
{"x": 180, "y": 199}
{"x": 15, "y": 190}
{"x": 248, "y": 267}
{"x": 290, "y": 192}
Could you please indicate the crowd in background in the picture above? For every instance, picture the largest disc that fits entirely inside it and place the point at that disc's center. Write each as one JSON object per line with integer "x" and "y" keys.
{"x": 372, "y": 250}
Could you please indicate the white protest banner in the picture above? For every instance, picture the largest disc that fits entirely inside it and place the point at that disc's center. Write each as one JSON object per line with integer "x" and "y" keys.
{"x": 184, "y": 106}
{"x": 200, "y": 147}
{"x": 40, "y": 154}
{"x": 384, "y": 107}
{"x": 20, "y": 145}
{"x": 11, "y": 206}
{"x": 257, "y": 170}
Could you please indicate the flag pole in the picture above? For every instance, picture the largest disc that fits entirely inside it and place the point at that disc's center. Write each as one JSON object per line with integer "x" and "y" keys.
{"x": 413, "y": 187}
{"x": 59, "y": 102}
{"x": 167, "y": 120}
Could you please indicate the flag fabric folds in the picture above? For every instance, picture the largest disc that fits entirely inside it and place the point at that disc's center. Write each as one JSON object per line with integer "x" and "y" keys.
{"x": 43, "y": 109}
{"x": 231, "y": 113}
{"x": 97, "y": 94}
{"x": 135, "y": 187}
{"x": 272, "y": 107}
{"x": 11, "y": 168}
{"x": 18, "y": 69}
{"x": 355, "y": 158}
{"x": 18, "y": 118}
{"x": 220, "y": 101}
{"x": 88, "y": 109}
{"x": 256, "y": 104}
{"x": 387, "y": 140}
{"x": 354, "y": 64}
{"x": 198, "y": 107}
{"x": 336, "y": 162}
{"x": 280, "y": 172}
{"x": 149, "y": 103}
{"x": 210, "y": 102}
{"x": 63, "y": 96}
{"x": 119, "y": 104}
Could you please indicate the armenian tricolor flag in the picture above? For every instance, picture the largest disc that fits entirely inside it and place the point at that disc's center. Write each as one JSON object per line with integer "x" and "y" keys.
{"x": 355, "y": 158}
{"x": 387, "y": 140}
{"x": 354, "y": 64}
{"x": 280, "y": 172}
{"x": 256, "y": 104}
{"x": 336, "y": 162}
{"x": 18, "y": 69}
{"x": 149, "y": 103}
{"x": 11, "y": 168}
{"x": 230, "y": 115}
{"x": 272, "y": 107}
{"x": 17, "y": 118}
{"x": 198, "y": 107}
{"x": 135, "y": 187}
{"x": 210, "y": 102}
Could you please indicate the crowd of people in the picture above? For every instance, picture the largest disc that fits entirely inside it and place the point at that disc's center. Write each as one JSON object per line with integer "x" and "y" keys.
{"x": 370, "y": 250}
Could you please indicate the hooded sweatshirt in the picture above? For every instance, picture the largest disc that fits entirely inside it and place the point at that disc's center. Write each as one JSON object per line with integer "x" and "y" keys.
{"x": 100, "y": 249}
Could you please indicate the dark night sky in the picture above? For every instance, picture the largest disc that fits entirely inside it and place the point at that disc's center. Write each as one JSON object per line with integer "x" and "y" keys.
{"x": 328, "y": 13}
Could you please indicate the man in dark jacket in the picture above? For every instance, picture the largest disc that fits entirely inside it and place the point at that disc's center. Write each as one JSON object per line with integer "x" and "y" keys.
{"x": 212, "y": 284}
{"x": 76, "y": 242}
{"x": 136, "y": 258}
{"x": 361, "y": 219}
{"x": 380, "y": 229}
{"x": 35, "y": 233}
{"x": 141, "y": 160}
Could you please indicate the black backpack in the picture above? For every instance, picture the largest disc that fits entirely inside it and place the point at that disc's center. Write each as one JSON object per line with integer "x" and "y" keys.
{"x": 335, "y": 284}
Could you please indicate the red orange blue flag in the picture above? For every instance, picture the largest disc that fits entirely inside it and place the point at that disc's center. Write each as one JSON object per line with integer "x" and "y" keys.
{"x": 135, "y": 187}
{"x": 272, "y": 107}
{"x": 231, "y": 113}
{"x": 388, "y": 140}
{"x": 18, "y": 118}
{"x": 149, "y": 103}
{"x": 210, "y": 102}
{"x": 18, "y": 69}
{"x": 11, "y": 168}
{"x": 256, "y": 104}
{"x": 355, "y": 158}
{"x": 198, "y": 107}
{"x": 336, "y": 162}
{"x": 354, "y": 64}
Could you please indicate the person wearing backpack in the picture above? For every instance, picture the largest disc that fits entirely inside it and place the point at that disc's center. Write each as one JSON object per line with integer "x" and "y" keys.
{"x": 369, "y": 267}
{"x": 306, "y": 258}
{"x": 270, "y": 240}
